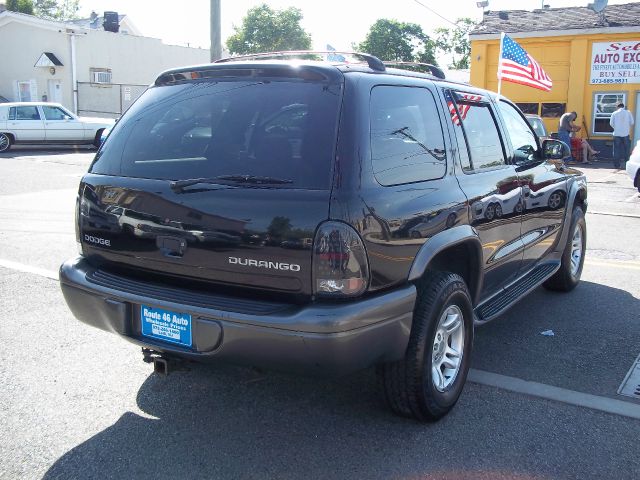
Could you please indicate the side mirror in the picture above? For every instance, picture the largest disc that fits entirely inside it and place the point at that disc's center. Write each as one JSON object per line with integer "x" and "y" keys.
{"x": 67, "y": 118}
{"x": 555, "y": 150}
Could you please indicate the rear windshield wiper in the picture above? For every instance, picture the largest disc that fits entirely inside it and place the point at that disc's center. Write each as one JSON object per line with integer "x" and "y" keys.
{"x": 249, "y": 179}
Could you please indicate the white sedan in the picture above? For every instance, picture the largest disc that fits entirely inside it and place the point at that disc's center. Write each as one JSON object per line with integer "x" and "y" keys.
{"x": 633, "y": 166}
{"x": 40, "y": 123}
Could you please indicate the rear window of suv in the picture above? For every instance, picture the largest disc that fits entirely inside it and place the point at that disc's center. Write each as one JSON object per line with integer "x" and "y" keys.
{"x": 277, "y": 129}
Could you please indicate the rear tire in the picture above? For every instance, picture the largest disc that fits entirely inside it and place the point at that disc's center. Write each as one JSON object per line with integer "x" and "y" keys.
{"x": 568, "y": 276}
{"x": 5, "y": 142}
{"x": 427, "y": 383}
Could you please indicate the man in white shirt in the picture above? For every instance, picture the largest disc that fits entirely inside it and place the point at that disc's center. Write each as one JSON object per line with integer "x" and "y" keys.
{"x": 621, "y": 121}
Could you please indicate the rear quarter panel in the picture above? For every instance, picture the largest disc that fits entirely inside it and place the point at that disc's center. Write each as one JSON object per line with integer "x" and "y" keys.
{"x": 386, "y": 217}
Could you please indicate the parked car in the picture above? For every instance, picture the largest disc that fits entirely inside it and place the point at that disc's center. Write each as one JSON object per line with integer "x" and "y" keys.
{"x": 633, "y": 166}
{"x": 44, "y": 123}
{"x": 538, "y": 126}
{"x": 326, "y": 275}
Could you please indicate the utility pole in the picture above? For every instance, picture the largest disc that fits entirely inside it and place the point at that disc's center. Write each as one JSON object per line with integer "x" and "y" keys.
{"x": 216, "y": 44}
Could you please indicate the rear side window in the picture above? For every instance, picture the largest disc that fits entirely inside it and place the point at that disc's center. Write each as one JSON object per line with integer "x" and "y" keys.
{"x": 24, "y": 113}
{"x": 407, "y": 143}
{"x": 277, "y": 129}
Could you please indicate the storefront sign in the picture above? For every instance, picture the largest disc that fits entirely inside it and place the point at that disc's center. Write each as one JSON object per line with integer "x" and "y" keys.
{"x": 615, "y": 62}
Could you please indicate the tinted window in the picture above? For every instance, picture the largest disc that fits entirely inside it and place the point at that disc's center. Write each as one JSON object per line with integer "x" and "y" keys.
{"x": 552, "y": 110}
{"x": 482, "y": 135}
{"x": 407, "y": 143}
{"x": 54, "y": 113}
{"x": 522, "y": 137}
{"x": 278, "y": 129}
{"x": 528, "y": 108}
{"x": 25, "y": 113}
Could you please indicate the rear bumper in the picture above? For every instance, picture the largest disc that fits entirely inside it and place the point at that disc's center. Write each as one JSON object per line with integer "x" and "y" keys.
{"x": 324, "y": 339}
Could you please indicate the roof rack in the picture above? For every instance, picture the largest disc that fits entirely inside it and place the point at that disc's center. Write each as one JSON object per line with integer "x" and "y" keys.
{"x": 374, "y": 62}
{"x": 435, "y": 71}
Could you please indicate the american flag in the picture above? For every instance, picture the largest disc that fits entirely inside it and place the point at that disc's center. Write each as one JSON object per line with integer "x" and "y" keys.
{"x": 463, "y": 108}
{"x": 517, "y": 66}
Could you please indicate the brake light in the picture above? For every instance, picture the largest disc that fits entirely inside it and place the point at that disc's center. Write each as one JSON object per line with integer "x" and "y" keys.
{"x": 78, "y": 242}
{"x": 340, "y": 266}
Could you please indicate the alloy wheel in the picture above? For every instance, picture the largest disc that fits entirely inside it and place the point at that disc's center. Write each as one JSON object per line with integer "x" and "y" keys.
{"x": 576, "y": 250}
{"x": 448, "y": 347}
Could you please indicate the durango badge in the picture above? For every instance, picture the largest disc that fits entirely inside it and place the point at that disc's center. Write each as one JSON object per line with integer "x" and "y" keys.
{"x": 247, "y": 262}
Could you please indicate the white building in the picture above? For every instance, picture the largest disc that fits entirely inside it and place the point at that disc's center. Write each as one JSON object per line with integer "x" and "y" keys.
{"x": 89, "y": 70}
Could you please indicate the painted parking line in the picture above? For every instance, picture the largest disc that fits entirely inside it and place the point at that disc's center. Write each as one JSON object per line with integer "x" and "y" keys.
{"x": 21, "y": 267}
{"x": 614, "y": 214}
{"x": 549, "y": 392}
{"x": 627, "y": 265}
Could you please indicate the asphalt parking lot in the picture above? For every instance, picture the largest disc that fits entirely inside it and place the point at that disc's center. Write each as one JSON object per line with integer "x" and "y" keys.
{"x": 543, "y": 401}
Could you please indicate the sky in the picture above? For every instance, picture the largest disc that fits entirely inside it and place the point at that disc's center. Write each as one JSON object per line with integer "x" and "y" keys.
{"x": 339, "y": 23}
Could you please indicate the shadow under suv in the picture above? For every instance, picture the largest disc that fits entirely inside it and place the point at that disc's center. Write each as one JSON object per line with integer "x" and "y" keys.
{"x": 322, "y": 217}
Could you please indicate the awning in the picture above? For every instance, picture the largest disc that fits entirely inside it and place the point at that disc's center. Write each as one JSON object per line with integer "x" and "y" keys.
{"x": 48, "y": 59}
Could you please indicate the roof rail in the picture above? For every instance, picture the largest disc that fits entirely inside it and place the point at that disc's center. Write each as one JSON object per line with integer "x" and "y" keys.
{"x": 435, "y": 71}
{"x": 374, "y": 62}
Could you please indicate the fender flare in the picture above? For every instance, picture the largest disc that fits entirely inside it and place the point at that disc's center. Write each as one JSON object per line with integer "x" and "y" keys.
{"x": 577, "y": 185}
{"x": 446, "y": 239}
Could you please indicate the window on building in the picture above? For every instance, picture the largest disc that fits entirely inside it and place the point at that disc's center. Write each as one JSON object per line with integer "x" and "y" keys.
{"x": 604, "y": 104}
{"x": 100, "y": 75}
{"x": 553, "y": 110}
{"x": 529, "y": 108}
{"x": 25, "y": 92}
{"x": 407, "y": 142}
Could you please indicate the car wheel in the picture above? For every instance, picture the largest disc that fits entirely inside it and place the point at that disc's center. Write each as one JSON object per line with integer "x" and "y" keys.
{"x": 489, "y": 213}
{"x": 415, "y": 234}
{"x": 5, "y": 142}
{"x": 498, "y": 210}
{"x": 568, "y": 276}
{"x": 518, "y": 209}
{"x": 427, "y": 383}
{"x": 555, "y": 200}
{"x": 96, "y": 140}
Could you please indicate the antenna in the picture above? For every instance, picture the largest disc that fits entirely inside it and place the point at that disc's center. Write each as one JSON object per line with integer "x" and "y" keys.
{"x": 598, "y": 5}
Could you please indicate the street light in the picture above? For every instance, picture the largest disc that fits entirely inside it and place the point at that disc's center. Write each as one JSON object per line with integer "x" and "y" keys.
{"x": 483, "y": 4}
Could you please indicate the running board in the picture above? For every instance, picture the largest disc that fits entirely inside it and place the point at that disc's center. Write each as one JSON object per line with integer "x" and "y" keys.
{"x": 504, "y": 300}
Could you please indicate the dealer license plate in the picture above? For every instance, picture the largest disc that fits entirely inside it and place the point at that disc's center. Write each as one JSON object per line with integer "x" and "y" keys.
{"x": 166, "y": 325}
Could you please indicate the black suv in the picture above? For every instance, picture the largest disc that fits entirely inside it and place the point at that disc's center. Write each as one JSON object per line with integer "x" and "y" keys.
{"x": 322, "y": 217}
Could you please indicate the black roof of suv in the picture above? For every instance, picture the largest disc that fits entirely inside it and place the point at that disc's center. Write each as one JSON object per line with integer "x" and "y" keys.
{"x": 322, "y": 217}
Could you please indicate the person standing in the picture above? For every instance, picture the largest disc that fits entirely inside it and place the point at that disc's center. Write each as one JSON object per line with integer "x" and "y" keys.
{"x": 621, "y": 121}
{"x": 567, "y": 127}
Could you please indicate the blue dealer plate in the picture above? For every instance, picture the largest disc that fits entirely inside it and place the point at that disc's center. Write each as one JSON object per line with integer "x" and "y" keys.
{"x": 166, "y": 325}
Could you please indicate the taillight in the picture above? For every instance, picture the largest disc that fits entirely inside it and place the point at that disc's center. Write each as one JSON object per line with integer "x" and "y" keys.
{"x": 340, "y": 266}
{"x": 78, "y": 242}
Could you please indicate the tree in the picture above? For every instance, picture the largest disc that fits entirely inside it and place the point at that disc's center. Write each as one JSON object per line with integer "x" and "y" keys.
{"x": 267, "y": 30}
{"x": 21, "y": 6}
{"x": 455, "y": 41}
{"x": 398, "y": 41}
{"x": 60, "y": 10}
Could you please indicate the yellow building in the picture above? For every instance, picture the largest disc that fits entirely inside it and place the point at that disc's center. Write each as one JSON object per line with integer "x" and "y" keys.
{"x": 592, "y": 58}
